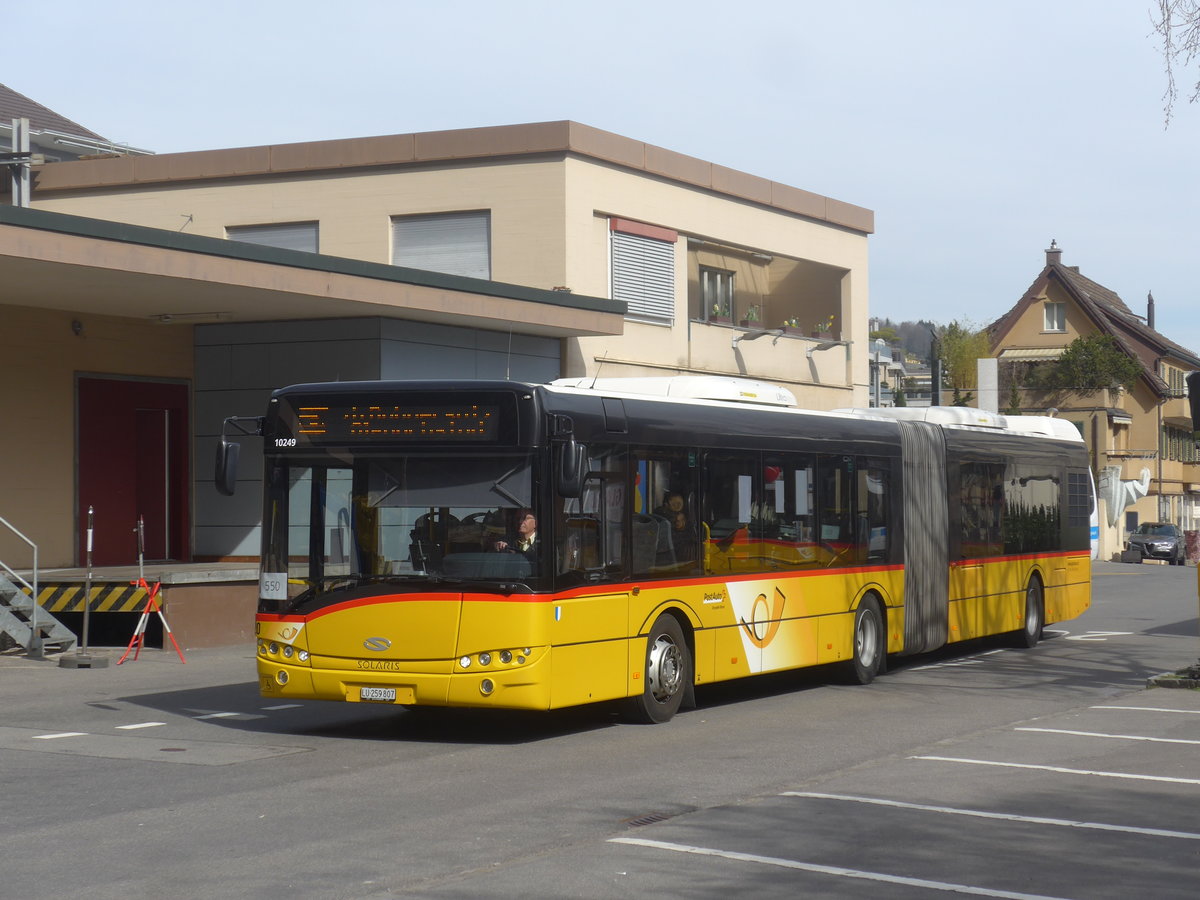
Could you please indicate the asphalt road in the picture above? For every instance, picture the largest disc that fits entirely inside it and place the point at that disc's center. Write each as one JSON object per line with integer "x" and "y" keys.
{"x": 981, "y": 770}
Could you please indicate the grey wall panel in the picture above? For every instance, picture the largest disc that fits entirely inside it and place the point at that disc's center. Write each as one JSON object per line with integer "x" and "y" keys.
{"x": 212, "y": 366}
{"x": 221, "y": 540}
{"x": 238, "y": 365}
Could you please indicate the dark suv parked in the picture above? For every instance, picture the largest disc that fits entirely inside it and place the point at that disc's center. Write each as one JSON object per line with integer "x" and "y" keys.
{"x": 1158, "y": 540}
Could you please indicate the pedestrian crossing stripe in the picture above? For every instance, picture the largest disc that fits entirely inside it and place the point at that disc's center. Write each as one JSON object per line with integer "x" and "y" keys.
{"x": 62, "y": 598}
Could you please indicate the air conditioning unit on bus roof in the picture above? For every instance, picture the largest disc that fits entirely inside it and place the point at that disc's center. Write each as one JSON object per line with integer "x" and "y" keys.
{"x": 689, "y": 387}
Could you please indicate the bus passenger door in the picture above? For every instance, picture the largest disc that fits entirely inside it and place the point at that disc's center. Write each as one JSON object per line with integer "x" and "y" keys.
{"x": 588, "y": 620}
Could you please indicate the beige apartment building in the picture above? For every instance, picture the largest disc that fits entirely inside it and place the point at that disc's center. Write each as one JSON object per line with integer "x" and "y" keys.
{"x": 182, "y": 288}
{"x": 1146, "y": 465}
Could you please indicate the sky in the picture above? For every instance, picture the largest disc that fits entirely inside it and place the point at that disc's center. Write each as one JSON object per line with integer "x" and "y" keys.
{"x": 976, "y": 132}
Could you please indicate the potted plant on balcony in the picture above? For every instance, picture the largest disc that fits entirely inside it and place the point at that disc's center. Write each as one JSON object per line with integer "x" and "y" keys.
{"x": 823, "y": 329}
{"x": 752, "y": 316}
{"x": 792, "y": 326}
{"x": 720, "y": 315}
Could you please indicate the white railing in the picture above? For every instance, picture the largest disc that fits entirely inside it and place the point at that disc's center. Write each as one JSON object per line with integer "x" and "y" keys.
{"x": 35, "y": 640}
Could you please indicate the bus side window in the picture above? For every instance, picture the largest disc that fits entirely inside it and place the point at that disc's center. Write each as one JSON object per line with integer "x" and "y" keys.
{"x": 732, "y": 493}
{"x": 836, "y": 539}
{"x": 591, "y": 530}
{"x": 789, "y": 484}
{"x": 873, "y": 487}
{"x": 663, "y": 526}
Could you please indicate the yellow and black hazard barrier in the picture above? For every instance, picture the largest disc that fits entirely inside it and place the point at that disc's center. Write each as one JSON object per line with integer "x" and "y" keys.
{"x": 114, "y": 597}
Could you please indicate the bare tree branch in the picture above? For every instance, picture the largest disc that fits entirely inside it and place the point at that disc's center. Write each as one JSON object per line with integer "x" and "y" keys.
{"x": 1178, "y": 28}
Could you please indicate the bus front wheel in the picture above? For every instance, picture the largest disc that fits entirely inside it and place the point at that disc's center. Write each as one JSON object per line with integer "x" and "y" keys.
{"x": 868, "y": 642}
{"x": 1035, "y": 614}
{"x": 666, "y": 674}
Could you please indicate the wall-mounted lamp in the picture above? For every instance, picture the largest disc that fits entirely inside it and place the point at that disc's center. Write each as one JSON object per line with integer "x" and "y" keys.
{"x": 755, "y": 335}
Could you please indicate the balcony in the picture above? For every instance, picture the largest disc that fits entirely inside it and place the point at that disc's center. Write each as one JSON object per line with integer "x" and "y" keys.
{"x": 1175, "y": 411}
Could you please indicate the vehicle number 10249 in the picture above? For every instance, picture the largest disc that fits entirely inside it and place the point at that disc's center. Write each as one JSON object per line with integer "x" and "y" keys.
{"x": 285, "y": 442}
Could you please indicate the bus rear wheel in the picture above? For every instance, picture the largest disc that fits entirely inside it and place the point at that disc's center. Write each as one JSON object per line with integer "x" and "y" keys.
{"x": 868, "y": 642}
{"x": 1035, "y": 614}
{"x": 667, "y": 673}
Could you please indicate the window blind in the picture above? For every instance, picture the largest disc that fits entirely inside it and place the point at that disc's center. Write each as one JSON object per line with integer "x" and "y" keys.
{"x": 454, "y": 243}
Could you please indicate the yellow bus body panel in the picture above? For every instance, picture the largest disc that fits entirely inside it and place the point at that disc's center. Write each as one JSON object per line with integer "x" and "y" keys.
{"x": 586, "y": 645}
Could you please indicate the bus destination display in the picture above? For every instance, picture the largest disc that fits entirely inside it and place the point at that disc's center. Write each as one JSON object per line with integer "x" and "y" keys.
{"x": 353, "y": 422}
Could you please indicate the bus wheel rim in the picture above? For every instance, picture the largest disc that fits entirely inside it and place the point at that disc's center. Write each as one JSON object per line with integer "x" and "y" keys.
{"x": 665, "y": 669}
{"x": 1031, "y": 608}
{"x": 866, "y": 639}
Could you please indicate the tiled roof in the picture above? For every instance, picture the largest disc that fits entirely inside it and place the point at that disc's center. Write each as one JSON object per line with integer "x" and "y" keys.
{"x": 14, "y": 105}
{"x": 1111, "y": 315}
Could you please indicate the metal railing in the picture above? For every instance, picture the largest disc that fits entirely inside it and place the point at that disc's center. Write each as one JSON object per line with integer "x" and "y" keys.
{"x": 35, "y": 639}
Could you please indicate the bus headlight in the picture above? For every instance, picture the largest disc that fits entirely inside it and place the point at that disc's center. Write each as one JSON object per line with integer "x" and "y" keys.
{"x": 485, "y": 659}
{"x": 465, "y": 662}
{"x": 302, "y": 656}
{"x": 506, "y": 656}
{"x": 486, "y": 686}
{"x": 272, "y": 648}
{"x": 281, "y": 676}
{"x": 288, "y": 650}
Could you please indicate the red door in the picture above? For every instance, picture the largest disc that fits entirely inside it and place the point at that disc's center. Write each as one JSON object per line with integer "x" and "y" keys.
{"x": 133, "y": 461}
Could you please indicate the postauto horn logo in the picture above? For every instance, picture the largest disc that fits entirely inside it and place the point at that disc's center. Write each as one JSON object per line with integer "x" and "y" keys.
{"x": 377, "y": 644}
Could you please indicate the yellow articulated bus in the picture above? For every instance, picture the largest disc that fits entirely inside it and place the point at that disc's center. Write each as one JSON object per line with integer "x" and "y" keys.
{"x": 521, "y": 546}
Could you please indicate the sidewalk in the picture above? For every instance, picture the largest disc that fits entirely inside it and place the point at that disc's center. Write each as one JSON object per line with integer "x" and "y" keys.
{"x": 26, "y": 682}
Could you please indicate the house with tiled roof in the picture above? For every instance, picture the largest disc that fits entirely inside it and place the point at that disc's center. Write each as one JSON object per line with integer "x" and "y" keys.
{"x": 1139, "y": 438}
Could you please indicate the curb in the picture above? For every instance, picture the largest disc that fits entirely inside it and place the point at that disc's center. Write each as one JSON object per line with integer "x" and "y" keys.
{"x": 1184, "y": 678}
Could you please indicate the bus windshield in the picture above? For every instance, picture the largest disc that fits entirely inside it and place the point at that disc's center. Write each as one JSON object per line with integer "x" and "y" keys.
{"x": 426, "y": 519}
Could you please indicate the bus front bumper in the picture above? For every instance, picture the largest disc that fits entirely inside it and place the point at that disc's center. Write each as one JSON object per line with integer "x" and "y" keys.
{"x": 524, "y": 686}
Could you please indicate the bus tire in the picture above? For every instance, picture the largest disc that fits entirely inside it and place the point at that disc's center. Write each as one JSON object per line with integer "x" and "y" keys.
{"x": 868, "y": 642}
{"x": 666, "y": 674}
{"x": 1034, "y": 617}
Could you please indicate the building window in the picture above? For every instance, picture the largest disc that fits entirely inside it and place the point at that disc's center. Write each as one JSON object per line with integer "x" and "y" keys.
{"x": 285, "y": 236}
{"x": 456, "y": 243}
{"x": 716, "y": 293}
{"x": 1056, "y": 317}
{"x": 643, "y": 270}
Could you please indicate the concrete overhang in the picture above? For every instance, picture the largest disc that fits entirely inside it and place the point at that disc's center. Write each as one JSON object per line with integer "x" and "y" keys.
{"x": 68, "y": 263}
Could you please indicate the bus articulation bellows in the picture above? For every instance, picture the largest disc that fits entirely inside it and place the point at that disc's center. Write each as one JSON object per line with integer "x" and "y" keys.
{"x": 509, "y": 545}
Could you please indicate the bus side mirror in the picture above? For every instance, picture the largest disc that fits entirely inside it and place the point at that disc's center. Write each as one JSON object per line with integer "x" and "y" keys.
{"x": 228, "y": 451}
{"x": 570, "y": 469}
{"x": 227, "y": 463}
{"x": 1193, "y": 383}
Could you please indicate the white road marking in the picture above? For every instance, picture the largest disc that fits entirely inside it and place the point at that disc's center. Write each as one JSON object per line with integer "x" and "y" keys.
{"x": 1122, "y": 737}
{"x": 1098, "y": 635}
{"x": 139, "y": 725}
{"x": 1158, "y": 709}
{"x": 218, "y": 715}
{"x": 1009, "y": 817}
{"x": 284, "y": 706}
{"x": 965, "y": 661}
{"x": 828, "y": 870}
{"x": 61, "y": 734}
{"x": 1060, "y": 769}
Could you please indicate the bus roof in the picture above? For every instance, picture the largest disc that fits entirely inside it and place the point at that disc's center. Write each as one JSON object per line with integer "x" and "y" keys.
{"x": 1042, "y": 426}
{"x": 689, "y": 387}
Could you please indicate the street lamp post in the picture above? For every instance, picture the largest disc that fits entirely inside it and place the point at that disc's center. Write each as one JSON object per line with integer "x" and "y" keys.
{"x": 878, "y": 374}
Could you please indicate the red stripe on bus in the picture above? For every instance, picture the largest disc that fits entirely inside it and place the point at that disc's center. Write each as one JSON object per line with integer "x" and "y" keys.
{"x": 973, "y": 561}
{"x": 697, "y": 583}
